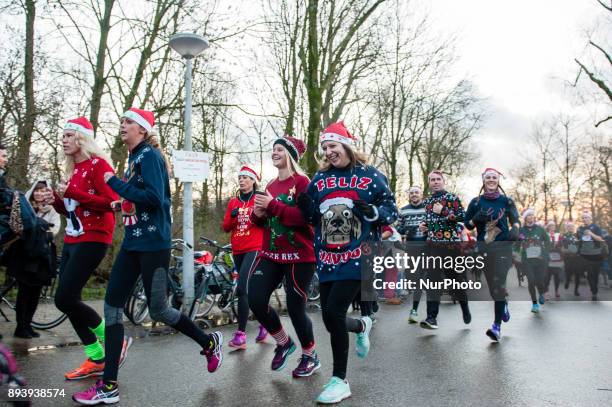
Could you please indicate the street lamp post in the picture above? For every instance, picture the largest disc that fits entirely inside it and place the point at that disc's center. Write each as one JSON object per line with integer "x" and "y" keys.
{"x": 189, "y": 46}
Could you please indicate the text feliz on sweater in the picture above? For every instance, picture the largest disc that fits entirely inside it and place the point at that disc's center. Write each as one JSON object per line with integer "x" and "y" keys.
{"x": 343, "y": 182}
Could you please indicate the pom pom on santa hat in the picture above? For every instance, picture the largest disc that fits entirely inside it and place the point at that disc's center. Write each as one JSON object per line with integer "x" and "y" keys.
{"x": 144, "y": 118}
{"x": 346, "y": 198}
{"x": 339, "y": 133}
{"x": 80, "y": 124}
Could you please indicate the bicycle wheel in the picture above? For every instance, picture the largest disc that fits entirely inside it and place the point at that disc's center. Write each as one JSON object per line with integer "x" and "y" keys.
{"x": 313, "y": 291}
{"x": 138, "y": 309}
{"x": 203, "y": 307}
{"x": 47, "y": 315}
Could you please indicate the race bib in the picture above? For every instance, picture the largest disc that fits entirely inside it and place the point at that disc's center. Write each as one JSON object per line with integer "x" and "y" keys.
{"x": 554, "y": 256}
{"x": 533, "y": 252}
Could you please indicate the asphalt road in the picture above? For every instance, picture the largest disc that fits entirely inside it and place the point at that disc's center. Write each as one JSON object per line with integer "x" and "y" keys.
{"x": 561, "y": 357}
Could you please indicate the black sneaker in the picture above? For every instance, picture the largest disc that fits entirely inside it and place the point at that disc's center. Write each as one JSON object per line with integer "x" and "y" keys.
{"x": 429, "y": 323}
{"x": 281, "y": 353}
{"x": 307, "y": 366}
{"x": 467, "y": 316}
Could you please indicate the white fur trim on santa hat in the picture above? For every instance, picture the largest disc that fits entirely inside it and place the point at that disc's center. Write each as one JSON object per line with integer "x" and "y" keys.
{"x": 79, "y": 128}
{"x": 326, "y": 204}
{"x": 130, "y": 114}
{"x": 337, "y": 137}
{"x": 528, "y": 212}
{"x": 248, "y": 173}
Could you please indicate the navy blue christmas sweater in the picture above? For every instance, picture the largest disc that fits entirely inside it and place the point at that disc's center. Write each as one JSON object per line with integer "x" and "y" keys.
{"x": 501, "y": 210}
{"x": 341, "y": 228}
{"x": 146, "y": 201}
{"x": 445, "y": 226}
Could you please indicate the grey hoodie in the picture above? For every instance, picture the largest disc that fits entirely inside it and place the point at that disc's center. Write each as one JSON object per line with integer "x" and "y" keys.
{"x": 46, "y": 212}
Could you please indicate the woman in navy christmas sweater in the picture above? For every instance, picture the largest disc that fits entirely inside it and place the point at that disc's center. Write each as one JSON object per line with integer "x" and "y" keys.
{"x": 348, "y": 201}
{"x": 145, "y": 207}
{"x": 496, "y": 219}
{"x": 286, "y": 253}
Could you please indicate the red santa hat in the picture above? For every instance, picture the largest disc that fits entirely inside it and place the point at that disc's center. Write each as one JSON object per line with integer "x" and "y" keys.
{"x": 339, "y": 133}
{"x": 144, "y": 118}
{"x": 338, "y": 198}
{"x": 527, "y": 212}
{"x": 491, "y": 171}
{"x": 249, "y": 172}
{"x": 80, "y": 124}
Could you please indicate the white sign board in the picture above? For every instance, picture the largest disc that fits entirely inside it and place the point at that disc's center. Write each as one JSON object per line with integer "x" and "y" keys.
{"x": 190, "y": 166}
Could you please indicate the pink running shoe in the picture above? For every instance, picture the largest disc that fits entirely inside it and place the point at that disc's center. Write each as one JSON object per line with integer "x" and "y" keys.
{"x": 214, "y": 354}
{"x": 99, "y": 393}
{"x": 262, "y": 334}
{"x": 238, "y": 341}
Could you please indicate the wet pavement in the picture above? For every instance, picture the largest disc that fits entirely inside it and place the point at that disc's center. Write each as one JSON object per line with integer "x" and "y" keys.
{"x": 560, "y": 357}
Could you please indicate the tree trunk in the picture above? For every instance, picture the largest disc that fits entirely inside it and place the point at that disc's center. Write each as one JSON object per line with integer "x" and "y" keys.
{"x": 97, "y": 89}
{"x": 26, "y": 128}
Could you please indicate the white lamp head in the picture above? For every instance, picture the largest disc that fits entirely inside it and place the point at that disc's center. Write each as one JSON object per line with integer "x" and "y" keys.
{"x": 188, "y": 45}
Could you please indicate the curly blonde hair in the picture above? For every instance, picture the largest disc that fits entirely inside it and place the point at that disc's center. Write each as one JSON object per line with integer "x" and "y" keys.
{"x": 89, "y": 148}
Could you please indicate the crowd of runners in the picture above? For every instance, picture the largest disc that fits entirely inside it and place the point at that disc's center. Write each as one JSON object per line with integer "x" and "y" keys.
{"x": 288, "y": 231}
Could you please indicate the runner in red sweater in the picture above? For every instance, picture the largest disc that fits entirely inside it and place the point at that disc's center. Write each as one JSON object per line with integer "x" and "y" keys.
{"x": 287, "y": 251}
{"x": 246, "y": 245}
{"x": 85, "y": 201}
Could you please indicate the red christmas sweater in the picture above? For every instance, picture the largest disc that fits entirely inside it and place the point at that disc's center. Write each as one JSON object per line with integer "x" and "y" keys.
{"x": 246, "y": 236}
{"x": 287, "y": 237}
{"x": 87, "y": 187}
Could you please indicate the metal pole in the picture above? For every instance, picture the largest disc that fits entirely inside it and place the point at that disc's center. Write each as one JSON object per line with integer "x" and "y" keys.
{"x": 188, "y": 272}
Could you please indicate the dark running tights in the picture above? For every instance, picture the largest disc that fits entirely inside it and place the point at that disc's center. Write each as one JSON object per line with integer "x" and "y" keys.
{"x": 243, "y": 263}
{"x": 336, "y": 296}
{"x": 264, "y": 279}
{"x": 79, "y": 261}
{"x": 153, "y": 267}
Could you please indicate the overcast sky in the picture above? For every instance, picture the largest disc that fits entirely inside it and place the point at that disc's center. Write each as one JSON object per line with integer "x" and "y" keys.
{"x": 517, "y": 53}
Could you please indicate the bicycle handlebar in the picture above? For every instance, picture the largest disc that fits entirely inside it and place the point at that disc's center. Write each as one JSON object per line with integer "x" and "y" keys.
{"x": 180, "y": 242}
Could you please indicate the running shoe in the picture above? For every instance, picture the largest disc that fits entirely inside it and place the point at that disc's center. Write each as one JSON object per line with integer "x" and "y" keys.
{"x": 281, "y": 353}
{"x": 541, "y": 299}
{"x": 238, "y": 341}
{"x": 127, "y": 343}
{"x": 429, "y": 323}
{"x": 494, "y": 332}
{"x": 261, "y": 336}
{"x": 506, "y": 314}
{"x": 99, "y": 393}
{"x": 362, "y": 345}
{"x": 414, "y": 315}
{"x": 535, "y": 308}
{"x": 334, "y": 391}
{"x": 214, "y": 354}
{"x": 307, "y": 366}
{"x": 89, "y": 368}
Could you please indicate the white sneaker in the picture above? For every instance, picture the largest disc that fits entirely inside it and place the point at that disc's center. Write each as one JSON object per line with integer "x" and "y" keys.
{"x": 362, "y": 345}
{"x": 334, "y": 391}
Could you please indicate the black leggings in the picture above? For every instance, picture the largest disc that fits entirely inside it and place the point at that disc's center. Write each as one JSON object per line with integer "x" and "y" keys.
{"x": 243, "y": 263}
{"x": 572, "y": 269}
{"x": 26, "y": 303}
{"x": 336, "y": 296}
{"x": 153, "y": 267}
{"x": 438, "y": 275}
{"x": 265, "y": 277}
{"x": 498, "y": 260}
{"x": 534, "y": 269}
{"x": 592, "y": 268}
{"x": 553, "y": 273}
{"x": 79, "y": 261}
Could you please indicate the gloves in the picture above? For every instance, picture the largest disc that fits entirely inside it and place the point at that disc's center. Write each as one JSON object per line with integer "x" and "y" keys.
{"x": 514, "y": 234}
{"x": 480, "y": 217}
{"x": 365, "y": 209}
{"x": 234, "y": 212}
